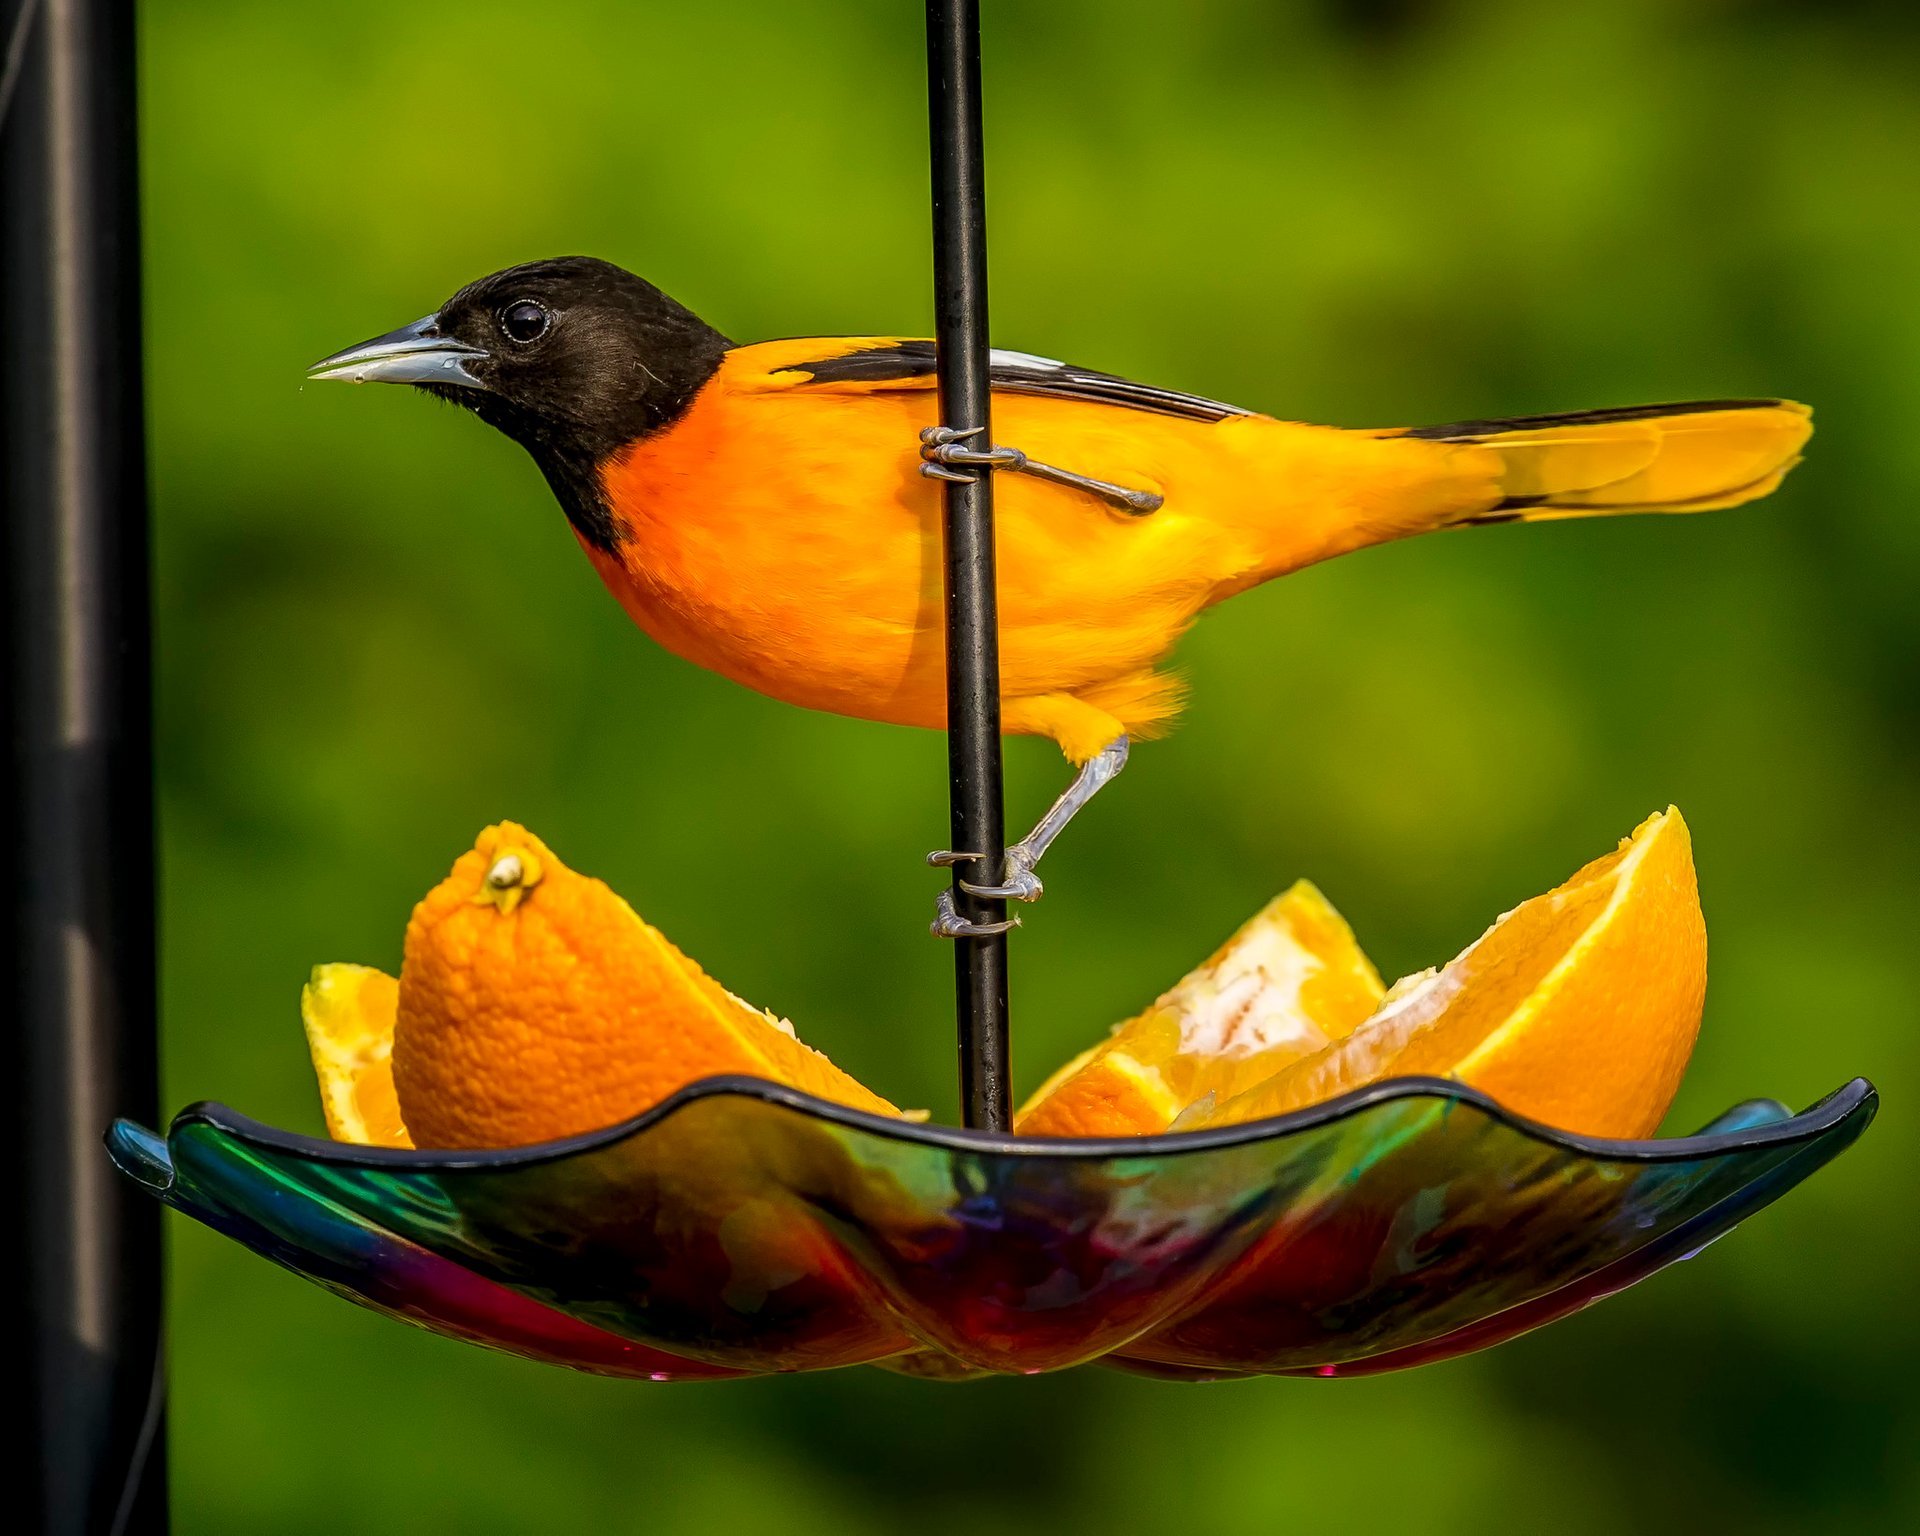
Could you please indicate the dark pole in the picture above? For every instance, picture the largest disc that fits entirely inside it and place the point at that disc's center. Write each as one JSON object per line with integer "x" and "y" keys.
{"x": 87, "y": 1387}
{"x": 973, "y": 645}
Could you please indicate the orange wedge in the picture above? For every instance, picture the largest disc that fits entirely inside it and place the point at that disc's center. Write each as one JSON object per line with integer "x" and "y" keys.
{"x": 349, "y": 1011}
{"x": 1579, "y": 1008}
{"x": 1283, "y": 987}
{"x": 535, "y": 1003}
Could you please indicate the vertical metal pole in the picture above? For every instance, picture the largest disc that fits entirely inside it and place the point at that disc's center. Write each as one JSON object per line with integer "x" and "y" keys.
{"x": 87, "y": 1386}
{"x": 973, "y": 645}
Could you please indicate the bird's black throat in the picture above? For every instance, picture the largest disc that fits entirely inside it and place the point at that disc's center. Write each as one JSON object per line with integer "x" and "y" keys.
{"x": 616, "y": 361}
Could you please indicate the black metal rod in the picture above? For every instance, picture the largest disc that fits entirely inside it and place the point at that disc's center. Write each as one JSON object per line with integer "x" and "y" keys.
{"x": 973, "y": 642}
{"x": 88, "y": 1390}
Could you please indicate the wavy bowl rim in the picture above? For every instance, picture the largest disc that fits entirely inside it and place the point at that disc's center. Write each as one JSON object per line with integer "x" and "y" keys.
{"x": 1851, "y": 1099}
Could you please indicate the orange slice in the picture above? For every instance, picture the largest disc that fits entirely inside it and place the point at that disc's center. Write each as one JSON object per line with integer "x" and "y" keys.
{"x": 349, "y": 1011}
{"x": 1579, "y": 1008}
{"x": 535, "y": 1003}
{"x": 1285, "y": 985}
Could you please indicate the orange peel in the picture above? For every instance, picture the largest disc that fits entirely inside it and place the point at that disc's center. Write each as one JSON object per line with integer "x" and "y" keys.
{"x": 534, "y": 1004}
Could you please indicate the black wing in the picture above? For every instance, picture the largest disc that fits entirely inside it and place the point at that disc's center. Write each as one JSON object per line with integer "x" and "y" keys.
{"x": 1020, "y": 372}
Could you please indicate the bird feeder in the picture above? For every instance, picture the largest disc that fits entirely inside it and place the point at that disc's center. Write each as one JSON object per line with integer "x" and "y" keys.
{"x": 741, "y": 1227}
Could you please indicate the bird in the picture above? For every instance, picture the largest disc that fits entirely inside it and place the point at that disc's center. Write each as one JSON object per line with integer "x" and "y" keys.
{"x": 771, "y": 510}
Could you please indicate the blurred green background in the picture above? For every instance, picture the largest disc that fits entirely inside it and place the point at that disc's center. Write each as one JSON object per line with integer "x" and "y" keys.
{"x": 376, "y": 636}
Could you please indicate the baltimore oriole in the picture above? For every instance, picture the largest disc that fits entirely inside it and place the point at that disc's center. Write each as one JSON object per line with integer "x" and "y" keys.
{"x": 766, "y": 511}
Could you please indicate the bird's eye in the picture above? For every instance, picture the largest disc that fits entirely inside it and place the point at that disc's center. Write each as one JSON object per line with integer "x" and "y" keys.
{"x": 525, "y": 321}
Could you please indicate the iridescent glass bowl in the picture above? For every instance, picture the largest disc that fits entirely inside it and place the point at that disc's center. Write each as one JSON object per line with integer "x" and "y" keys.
{"x": 741, "y": 1227}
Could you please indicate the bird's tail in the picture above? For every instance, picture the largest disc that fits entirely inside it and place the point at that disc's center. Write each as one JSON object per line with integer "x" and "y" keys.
{"x": 1689, "y": 457}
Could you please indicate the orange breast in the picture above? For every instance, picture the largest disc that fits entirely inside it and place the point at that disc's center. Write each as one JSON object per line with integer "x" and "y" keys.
{"x": 789, "y": 541}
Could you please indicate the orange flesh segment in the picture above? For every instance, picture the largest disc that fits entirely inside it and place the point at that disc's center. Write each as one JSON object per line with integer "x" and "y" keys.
{"x": 1579, "y": 1008}
{"x": 1286, "y": 984}
{"x": 536, "y": 1004}
{"x": 349, "y": 1011}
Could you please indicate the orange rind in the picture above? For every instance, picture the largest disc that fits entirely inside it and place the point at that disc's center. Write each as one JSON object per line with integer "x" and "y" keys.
{"x": 534, "y": 1004}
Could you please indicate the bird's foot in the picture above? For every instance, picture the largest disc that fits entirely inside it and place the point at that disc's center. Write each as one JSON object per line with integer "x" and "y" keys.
{"x": 1019, "y": 883}
{"x": 946, "y": 456}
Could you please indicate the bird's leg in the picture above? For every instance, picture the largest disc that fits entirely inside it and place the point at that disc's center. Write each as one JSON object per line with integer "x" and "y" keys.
{"x": 1021, "y": 883}
{"x": 947, "y": 457}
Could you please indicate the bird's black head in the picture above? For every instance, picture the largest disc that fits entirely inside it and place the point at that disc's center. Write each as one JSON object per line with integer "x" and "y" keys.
{"x": 572, "y": 358}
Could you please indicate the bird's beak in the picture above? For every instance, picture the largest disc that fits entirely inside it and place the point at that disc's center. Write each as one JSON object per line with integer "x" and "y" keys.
{"x": 414, "y": 354}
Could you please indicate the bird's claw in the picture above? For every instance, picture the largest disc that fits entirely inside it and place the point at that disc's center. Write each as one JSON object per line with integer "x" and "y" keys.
{"x": 945, "y": 858}
{"x": 949, "y": 924}
{"x": 1019, "y": 883}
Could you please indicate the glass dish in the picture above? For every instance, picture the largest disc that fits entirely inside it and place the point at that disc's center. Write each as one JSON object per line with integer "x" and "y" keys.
{"x": 741, "y": 1227}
